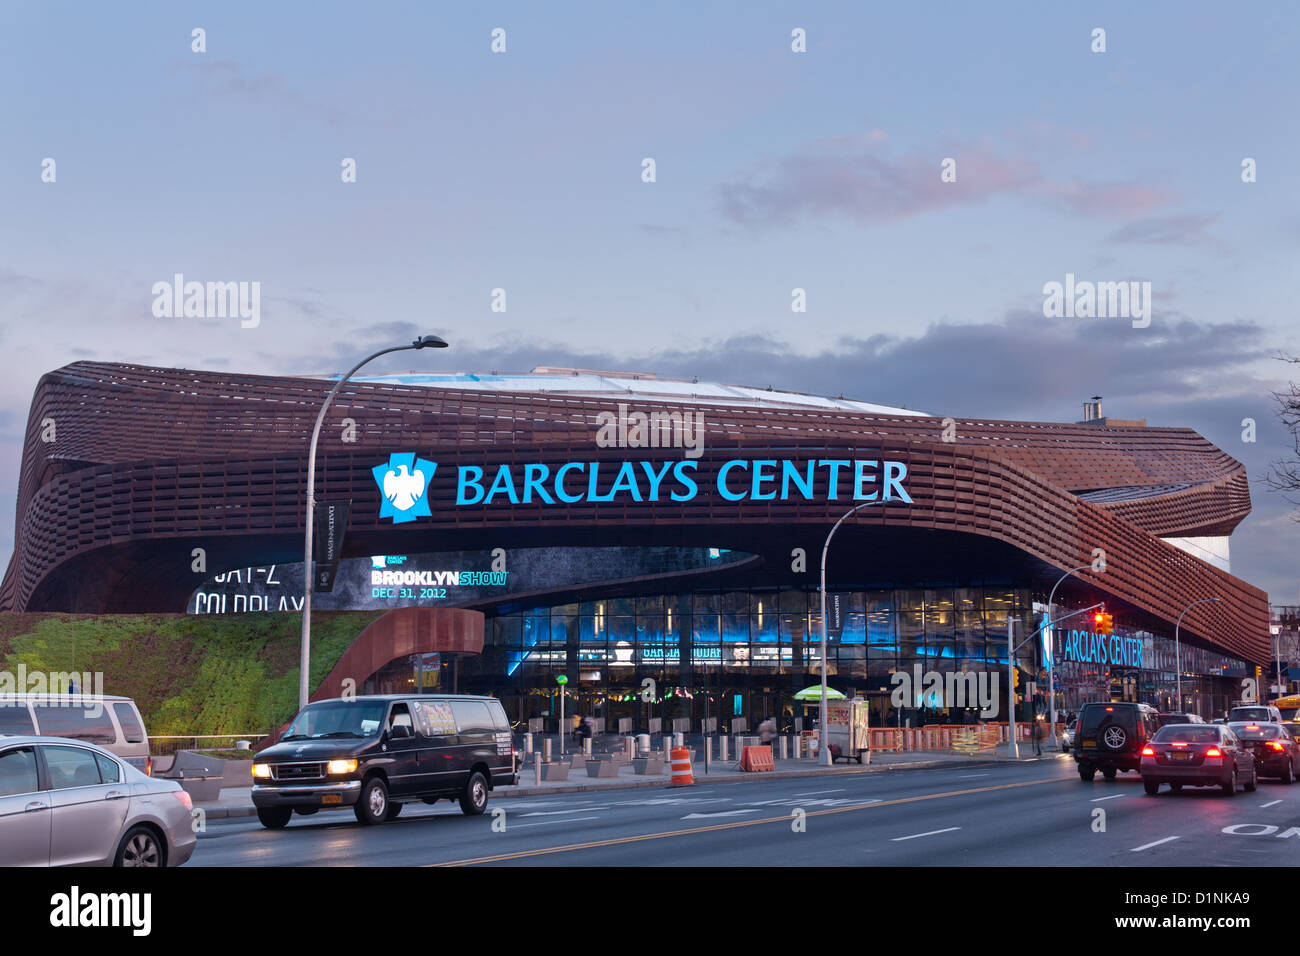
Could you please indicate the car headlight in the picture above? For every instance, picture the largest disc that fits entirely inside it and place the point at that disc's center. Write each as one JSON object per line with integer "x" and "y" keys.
{"x": 261, "y": 771}
{"x": 341, "y": 766}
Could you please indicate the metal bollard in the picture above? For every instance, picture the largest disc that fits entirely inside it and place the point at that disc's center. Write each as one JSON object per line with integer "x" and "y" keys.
{"x": 784, "y": 748}
{"x": 537, "y": 767}
{"x": 629, "y": 747}
{"x": 546, "y": 748}
{"x": 528, "y": 742}
{"x": 722, "y": 749}
{"x": 708, "y": 749}
{"x": 679, "y": 739}
{"x": 586, "y": 747}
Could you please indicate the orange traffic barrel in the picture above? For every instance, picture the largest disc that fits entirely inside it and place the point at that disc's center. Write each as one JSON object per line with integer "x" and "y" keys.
{"x": 681, "y": 768}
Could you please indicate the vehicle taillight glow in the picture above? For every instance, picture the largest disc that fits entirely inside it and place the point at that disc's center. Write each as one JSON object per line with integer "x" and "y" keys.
{"x": 184, "y": 798}
{"x": 1178, "y": 743}
{"x": 1148, "y": 752}
{"x": 1214, "y": 752}
{"x": 148, "y": 767}
{"x": 1274, "y": 745}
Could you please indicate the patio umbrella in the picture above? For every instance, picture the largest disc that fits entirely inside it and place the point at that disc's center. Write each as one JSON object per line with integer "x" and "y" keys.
{"x": 815, "y": 693}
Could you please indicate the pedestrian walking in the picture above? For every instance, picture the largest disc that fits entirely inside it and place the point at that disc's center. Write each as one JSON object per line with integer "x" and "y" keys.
{"x": 1037, "y": 732}
{"x": 767, "y": 733}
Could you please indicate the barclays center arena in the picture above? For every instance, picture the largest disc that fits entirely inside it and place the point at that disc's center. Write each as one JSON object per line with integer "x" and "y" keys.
{"x": 655, "y": 542}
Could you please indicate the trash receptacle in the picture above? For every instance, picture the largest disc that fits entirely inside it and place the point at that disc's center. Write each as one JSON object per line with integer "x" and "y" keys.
{"x": 643, "y": 743}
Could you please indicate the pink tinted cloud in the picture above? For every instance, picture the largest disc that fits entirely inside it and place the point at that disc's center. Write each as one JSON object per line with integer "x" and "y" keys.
{"x": 854, "y": 177}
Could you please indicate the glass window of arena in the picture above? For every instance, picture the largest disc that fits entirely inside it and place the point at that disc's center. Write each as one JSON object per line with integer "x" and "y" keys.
{"x": 740, "y": 655}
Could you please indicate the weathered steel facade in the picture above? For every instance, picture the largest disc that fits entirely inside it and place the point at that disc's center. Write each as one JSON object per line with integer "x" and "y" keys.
{"x": 127, "y": 470}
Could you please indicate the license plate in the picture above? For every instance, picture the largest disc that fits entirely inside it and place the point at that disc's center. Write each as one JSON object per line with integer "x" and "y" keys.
{"x": 1090, "y": 743}
{"x": 1180, "y": 756}
{"x": 332, "y": 798}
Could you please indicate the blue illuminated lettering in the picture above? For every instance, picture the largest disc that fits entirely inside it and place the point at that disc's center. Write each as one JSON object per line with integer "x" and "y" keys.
{"x": 861, "y": 478}
{"x": 834, "y": 464}
{"x": 503, "y": 483}
{"x": 756, "y": 491}
{"x": 722, "y": 479}
{"x": 560, "y": 491}
{"x": 804, "y": 479}
{"x": 895, "y": 472}
{"x": 686, "y": 481}
{"x": 464, "y": 480}
{"x": 534, "y": 475}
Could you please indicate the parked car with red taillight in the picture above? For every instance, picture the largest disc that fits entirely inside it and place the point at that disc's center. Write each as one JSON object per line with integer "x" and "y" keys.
{"x": 1197, "y": 755}
{"x": 1275, "y": 750}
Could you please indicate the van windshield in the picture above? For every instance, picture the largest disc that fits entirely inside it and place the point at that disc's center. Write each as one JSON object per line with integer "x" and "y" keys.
{"x": 337, "y": 718}
{"x": 1248, "y": 713}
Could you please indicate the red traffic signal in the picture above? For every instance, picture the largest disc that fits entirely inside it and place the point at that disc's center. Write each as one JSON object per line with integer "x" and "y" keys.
{"x": 1104, "y": 623}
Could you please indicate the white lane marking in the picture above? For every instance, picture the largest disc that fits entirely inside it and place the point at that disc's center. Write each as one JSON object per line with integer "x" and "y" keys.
{"x": 1147, "y": 846}
{"x": 927, "y": 833}
{"x": 556, "y": 813}
{"x": 722, "y": 813}
{"x": 1114, "y": 796}
{"x": 967, "y": 776}
{"x": 547, "y": 823}
{"x": 810, "y": 793}
{"x": 1272, "y": 803}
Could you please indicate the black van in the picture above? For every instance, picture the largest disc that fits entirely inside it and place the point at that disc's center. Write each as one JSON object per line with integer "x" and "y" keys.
{"x": 1110, "y": 737}
{"x": 376, "y": 753}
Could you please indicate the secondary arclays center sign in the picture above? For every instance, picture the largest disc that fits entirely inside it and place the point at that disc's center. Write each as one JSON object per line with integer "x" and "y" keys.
{"x": 404, "y": 482}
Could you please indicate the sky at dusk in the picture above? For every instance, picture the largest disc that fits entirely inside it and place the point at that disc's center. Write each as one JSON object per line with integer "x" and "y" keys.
{"x": 774, "y": 171}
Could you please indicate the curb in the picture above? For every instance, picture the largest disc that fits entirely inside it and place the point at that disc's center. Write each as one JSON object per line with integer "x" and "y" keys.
{"x": 518, "y": 792}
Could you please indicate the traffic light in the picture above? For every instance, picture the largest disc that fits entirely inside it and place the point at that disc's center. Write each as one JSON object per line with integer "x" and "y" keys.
{"x": 1103, "y": 623}
{"x": 1015, "y": 678}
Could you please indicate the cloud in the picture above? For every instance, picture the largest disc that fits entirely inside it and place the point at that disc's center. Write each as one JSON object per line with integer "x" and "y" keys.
{"x": 1188, "y": 230}
{"x": 227, "y": 79}
{"x": 855, "y": 178}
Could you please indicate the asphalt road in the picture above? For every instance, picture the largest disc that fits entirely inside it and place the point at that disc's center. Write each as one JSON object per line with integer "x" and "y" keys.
{"x": 1032, "y": 814}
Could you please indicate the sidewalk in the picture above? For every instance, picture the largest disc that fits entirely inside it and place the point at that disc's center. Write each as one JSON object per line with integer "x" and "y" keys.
{"x": 236, "y": 801}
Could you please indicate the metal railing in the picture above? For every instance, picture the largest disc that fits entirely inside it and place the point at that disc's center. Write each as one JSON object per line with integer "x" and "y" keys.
{"x": 162, "y": 745}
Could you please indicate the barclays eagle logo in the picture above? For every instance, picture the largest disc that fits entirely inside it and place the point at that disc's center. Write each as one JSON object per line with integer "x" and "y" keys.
{"x": 404, "y": 482}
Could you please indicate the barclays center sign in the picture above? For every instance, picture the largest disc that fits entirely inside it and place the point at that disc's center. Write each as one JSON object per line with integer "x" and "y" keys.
{"x": 404, "y": 482}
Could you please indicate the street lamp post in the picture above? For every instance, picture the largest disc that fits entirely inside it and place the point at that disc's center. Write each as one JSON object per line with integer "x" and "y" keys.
{"x": 823, "y": 745}
{"x": 1178, "y": 657}
{"x": 1051, "y": 658}
{"x": 424, "y": 342}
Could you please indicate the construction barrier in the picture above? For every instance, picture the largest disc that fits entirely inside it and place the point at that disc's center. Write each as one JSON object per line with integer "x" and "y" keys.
{"x": 756, "y": 759}
{"x": 681, "y": 768}
{"x": 889, "y": 738}
{"x": 973, "y": 741}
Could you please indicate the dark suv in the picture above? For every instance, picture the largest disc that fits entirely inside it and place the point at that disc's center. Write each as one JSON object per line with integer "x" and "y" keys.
{"x": 1110, "y": 737}
{"x": 375, "y": 754}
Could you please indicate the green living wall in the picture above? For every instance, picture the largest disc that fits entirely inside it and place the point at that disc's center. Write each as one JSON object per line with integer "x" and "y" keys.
{"x": 189, "y": 674}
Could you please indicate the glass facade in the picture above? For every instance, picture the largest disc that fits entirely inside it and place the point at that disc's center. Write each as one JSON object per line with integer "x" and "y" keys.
{"x": 745, "y": 654}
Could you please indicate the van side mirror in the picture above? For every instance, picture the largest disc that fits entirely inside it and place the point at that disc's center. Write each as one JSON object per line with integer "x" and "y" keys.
{"x": 400, "y": 732}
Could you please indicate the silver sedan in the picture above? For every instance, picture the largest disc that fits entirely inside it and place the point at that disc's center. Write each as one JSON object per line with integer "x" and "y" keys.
{"x": 69, "y": 803}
